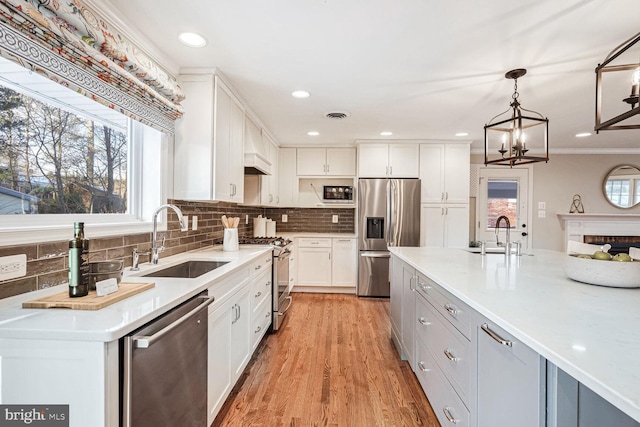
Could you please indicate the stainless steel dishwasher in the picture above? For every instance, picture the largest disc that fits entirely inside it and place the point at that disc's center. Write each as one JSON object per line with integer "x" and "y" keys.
{"x": 164, "y": 369}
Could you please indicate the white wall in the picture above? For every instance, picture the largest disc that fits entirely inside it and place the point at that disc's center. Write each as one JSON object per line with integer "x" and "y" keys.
{"x": 556, "y": 182}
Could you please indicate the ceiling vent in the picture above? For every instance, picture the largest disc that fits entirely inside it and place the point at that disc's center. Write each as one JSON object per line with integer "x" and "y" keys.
{"x": 337, "y": 115}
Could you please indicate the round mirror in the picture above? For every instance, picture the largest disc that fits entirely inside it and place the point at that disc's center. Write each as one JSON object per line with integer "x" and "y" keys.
{"x": 621, "y": 186}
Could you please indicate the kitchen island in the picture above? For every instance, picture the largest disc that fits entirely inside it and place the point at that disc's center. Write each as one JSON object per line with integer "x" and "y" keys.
{"x": 72, "y": 357}
{"x": 590, "y": 332}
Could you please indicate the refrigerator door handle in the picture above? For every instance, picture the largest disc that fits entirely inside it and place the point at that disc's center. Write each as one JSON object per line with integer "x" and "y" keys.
{"x": 375, "y": 254}
{"x": 390, "y": 207}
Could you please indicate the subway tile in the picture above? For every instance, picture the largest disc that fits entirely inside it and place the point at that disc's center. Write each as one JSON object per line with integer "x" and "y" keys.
{"x": 47, "y": 265}
{"x": 30, "y": 250}
{"x": 9, "y": 288}
{"x": 105, "y": 243}
{"x": 53, "y": 279}
{"x": 137, "y": 238}
{"x": 53, "y": 249}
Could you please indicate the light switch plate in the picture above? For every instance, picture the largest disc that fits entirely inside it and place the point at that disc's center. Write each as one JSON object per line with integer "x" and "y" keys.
{"x": 194, "y": 223}
{"x": 285, "y": 218}
{"x": 334, "y": 219}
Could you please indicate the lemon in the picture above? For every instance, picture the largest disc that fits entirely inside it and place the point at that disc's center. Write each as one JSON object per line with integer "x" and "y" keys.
{"x": 602, "y": 255}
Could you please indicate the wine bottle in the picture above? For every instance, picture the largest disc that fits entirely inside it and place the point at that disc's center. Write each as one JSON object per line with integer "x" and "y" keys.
{"x": 78, "y": 262}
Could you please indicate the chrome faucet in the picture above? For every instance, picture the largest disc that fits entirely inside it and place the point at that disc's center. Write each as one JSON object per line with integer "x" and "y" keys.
{"x": 507, "y": 225}
{"x": 155, "y": 250}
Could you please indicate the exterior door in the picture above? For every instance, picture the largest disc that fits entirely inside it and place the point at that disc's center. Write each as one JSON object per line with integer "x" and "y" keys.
{"x": 503, "y": 191}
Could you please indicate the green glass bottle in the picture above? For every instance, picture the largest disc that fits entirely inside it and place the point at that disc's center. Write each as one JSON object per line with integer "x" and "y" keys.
{"x": 78, "y": 262}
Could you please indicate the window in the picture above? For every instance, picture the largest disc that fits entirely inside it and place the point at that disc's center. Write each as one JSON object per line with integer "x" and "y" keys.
{"x": 65, "y": 158}
{"x": 502, "y": 199}
{"x": 618, "y": 191}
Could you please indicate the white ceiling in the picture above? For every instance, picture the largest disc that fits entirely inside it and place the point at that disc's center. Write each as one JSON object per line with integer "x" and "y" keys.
{"x": 423, "y": 69}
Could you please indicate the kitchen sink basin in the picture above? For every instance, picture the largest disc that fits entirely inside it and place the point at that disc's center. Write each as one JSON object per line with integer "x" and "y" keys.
{"x": 187, "y": 270}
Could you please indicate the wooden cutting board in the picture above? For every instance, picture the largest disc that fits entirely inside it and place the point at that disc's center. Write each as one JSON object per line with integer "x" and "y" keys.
{"x": 90, "y": 302}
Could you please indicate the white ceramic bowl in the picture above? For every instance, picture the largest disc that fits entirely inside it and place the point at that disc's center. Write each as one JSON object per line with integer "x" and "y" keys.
{"x": 615, "y": 274}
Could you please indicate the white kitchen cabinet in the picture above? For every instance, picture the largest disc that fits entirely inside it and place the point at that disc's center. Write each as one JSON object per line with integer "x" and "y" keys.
{"x": 287, "y": 178}
{"x": 395, "y": 302}
{"x": 511, "y": 379}
{"x": 269, "y": 187}
{"x": 444, "y": 171}
{"x": 444, "y": 225}
{"x": 209, "y": 142}
{"x": 408, "y": 314}
{"x": 326, "y": 161}
{"x": 381, "y": 160}
{"x": 344, "y": 265}
{"x": 229, "y": 347}
{"x": 314, "y": 262}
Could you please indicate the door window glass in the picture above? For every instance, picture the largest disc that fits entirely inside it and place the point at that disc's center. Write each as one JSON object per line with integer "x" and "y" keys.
{"x": 502, "y": 199}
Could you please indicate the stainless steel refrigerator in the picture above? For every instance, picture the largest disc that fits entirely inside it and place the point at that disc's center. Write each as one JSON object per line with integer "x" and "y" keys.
{"x": 389, "y": 215}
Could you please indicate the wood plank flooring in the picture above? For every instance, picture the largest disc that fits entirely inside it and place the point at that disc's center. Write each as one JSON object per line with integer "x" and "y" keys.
{"x": 332, "y": 364}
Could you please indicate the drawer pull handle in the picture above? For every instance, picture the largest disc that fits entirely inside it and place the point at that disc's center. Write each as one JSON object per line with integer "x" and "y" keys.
{"x": 258, "y": 330}
{"x": 268, "y": 260}
{"x": 451, "y": 309}
{"x": 450, "y": 418}
{"x": 423, "y": 321}
{"x": 268, "y": 284}
{"x": 450, "y": 356}
{"x": 496, "y": 337}
{"x": 259, "y": 294}
{"x": 267, "y": 315}
{"x": 422, "y": 367}
{"x": 258, "y": 267}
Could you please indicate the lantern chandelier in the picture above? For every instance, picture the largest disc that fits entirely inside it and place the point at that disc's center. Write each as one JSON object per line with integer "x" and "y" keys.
{"x": 630, "y": 75}
{"x": 509, "y": 136}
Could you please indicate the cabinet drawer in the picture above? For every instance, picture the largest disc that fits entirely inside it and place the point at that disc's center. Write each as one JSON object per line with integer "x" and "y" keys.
{"x": 261, "y": 264}
{"x": 260, "y": 289}
{"x": 446, "y": 404}
{"x": 454, "y": 310}
{"x": 451, "y": 350}
{"x": 307, "y": 242}
{"x": 261, "y": 322}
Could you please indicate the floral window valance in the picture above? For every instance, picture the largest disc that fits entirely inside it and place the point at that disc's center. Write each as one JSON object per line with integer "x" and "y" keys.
{"x": 72, "y": 45}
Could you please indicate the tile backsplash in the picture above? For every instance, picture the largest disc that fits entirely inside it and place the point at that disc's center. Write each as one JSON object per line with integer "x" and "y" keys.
{"x": 47, "y": 262}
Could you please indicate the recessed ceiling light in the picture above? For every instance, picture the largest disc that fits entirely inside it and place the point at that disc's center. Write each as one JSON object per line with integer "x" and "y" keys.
{"x": 462, "y": 134}
{"x": 192, "y": 39}
{"x": 386, "y": 133}
{"x": 313, "y": 133}
{"x": 583, "y": 134}
{"x": 300, "y": 94}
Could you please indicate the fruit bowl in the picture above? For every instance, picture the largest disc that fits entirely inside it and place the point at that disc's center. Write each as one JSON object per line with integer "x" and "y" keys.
{"x": 614, "y": 274}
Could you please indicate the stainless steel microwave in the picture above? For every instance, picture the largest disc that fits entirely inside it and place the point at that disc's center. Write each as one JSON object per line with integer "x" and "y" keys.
{"x": 337, "y": 193}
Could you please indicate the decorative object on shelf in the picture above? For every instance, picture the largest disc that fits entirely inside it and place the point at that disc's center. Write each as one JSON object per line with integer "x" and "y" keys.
{"x": 625, "y": 58}
{"x": 508, "y": 133}
{"x": 576, "y": 204}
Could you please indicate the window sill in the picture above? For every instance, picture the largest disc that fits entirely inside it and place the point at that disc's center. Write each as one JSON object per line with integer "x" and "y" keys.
{"x": 10, "y": 236}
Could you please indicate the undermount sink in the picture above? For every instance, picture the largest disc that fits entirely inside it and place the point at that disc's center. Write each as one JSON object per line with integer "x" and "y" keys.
{"x": 187, "y": 270}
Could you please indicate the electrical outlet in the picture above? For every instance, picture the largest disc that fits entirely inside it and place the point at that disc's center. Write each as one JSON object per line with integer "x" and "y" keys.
{"x": 13, "y": 266}
{"x": 194, "y": 223}
{"x": 542, "y": 205}
{"x": 285, "y": 218}
{"x": 185, "y": 221}
{"x": 334, "y": 219}
{"x": 246, "y": 219}
{"x": 542, "y": 213}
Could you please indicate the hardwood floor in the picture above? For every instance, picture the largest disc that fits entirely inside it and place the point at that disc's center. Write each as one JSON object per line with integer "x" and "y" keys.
{"x": 332, "y": 364}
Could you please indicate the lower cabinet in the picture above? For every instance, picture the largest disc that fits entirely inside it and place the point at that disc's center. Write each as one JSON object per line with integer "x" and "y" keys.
{"x": 326, "y": 263}
{"x": 238, "y": 319}
{"x": 511, "y": 390}
{"x": 229, "y": 347}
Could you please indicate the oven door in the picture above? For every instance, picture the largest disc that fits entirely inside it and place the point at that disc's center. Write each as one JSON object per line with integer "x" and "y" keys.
{"x": 281, "y": 297}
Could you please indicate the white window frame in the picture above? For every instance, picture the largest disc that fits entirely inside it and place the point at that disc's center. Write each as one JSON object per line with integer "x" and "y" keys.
{"x": 150, "y": 184}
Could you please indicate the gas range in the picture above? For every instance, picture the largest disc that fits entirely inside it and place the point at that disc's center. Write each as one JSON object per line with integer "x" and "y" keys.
{"x": 279, "y": 244}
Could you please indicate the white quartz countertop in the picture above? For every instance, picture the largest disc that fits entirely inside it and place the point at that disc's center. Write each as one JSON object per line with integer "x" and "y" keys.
{"x": 116, "y": 320}
{"x": 590, "y": 332}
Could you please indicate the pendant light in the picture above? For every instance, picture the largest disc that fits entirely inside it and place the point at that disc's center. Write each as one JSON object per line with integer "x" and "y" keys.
{"x": 623, "y": 59}
{"x": 510, "y": 136}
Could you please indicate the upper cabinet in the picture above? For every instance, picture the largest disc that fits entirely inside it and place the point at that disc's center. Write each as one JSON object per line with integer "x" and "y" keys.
{"x": 270, "y": 193}
{"x": 381, "y": 160}
{"x": 444, "y": 171}
{"x": 287, "y": 179}
{"x": 209, "y": 142}
{"x": 326, "y": 161}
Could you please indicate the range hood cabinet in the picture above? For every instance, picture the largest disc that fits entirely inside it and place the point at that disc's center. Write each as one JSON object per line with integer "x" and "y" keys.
{"x": 256, "y": 157}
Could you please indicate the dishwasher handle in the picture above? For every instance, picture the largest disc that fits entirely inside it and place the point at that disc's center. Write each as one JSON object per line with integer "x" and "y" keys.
{"x": 147, "y": 341}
